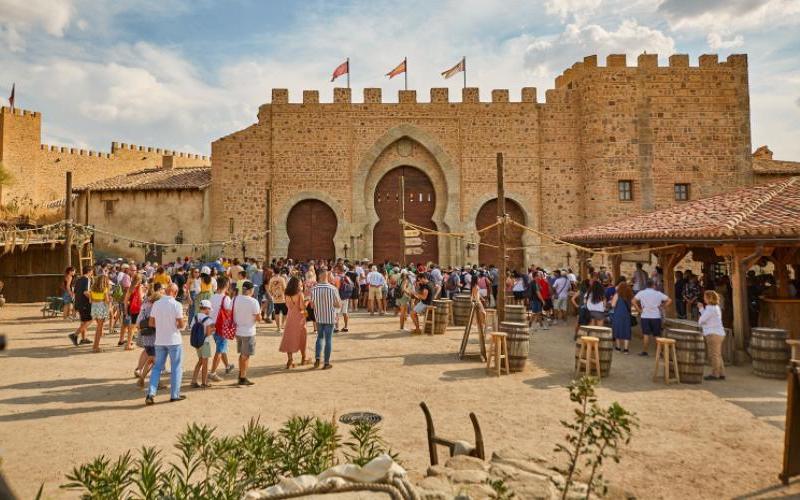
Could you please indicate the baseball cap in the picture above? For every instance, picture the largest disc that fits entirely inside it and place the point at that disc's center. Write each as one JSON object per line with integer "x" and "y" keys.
{"x": 247, "y": 285}
{"x": 205, "y": 304}
{"x": 205, "y": 270}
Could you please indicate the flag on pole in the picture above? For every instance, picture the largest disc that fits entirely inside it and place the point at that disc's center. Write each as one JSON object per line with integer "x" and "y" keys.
{"x": 341, "y": 69}
{"x": 400, "y": 68}
{"x": 458, "y": 68}
{"x": 11, "y": 97}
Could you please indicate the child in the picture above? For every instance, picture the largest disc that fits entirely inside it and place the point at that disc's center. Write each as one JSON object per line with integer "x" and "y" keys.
{"x": 204, "y": 352}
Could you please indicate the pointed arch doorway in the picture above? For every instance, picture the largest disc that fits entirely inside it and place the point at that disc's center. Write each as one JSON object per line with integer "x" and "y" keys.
{"x": 420, "y": 204}
{"x": 311, "y": 226}
{"x": 488, "y": 252}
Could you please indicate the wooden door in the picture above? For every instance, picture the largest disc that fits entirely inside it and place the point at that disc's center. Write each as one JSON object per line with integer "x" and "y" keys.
{"x": 420, "y": 203}
{"x": 487, "y": 216}
{"x": 311, "y": 226}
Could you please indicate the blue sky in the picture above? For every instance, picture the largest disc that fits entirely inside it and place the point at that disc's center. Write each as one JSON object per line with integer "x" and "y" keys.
{"x": 180, "y": 73}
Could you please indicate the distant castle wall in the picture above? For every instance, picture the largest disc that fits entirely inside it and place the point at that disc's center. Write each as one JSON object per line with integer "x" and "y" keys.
{"x": 38, "y": 169}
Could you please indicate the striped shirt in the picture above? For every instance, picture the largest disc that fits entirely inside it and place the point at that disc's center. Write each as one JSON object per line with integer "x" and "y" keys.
{"x": 325, "y": 299}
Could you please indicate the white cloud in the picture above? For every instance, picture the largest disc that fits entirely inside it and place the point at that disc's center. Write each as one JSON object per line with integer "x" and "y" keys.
{"x": 715, "y": 41}
{"x": 565, "y": 8}
{"x": 730, "y": 16}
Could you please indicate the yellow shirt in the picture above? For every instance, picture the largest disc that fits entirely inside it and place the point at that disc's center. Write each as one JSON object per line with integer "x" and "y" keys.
{"x": 162, "y": 279}
{"x": 98, "y": 296}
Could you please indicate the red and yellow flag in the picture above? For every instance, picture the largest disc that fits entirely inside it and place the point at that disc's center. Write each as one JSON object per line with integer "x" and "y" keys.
{"x": 458, "y": 68}
{"x": 341, "y": 69}
{"x": 400, "y": 68}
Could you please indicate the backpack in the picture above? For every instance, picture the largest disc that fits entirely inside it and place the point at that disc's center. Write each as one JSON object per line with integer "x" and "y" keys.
{"x": 225, "y": 325}
{"x": 135, "y": 304}
{"x": 117, "y": 292}
{"x": 345, "y": 288}
{"x": 198, "y": 336}
{"x": 453, "y": 281}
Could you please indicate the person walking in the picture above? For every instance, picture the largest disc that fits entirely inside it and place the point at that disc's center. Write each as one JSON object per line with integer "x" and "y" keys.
{"x": 276, "y": 289}
{"x": 714, "y": 333}
{"x": 621, "y": 317}
{"x": 219, "y": 301}
{"x": 325, "y": 301}
{"x": 246, "y": 313}
{"x": 404, "y": 294}
{"x": 83, "y": 306}
{"x": 166, "y": 316}
{"x": 100, "y": 298}
{"x": 294, "y": 334}
{"x": 202, "y": 320}
{"x": 650, "y": 301}
{"x": 131, "y": 305}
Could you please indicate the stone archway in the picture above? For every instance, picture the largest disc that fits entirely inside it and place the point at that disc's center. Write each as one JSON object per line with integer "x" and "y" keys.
{"x": 488, "y": 253}
{"x": 529, "y": 239}
{"x": 311, "y": 226}
{"x": 280, "y": 235}
{"x": 408, "y": 145}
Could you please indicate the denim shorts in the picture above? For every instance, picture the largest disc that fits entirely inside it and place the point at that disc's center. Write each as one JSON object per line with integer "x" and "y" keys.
{"x": 222, "y": 344}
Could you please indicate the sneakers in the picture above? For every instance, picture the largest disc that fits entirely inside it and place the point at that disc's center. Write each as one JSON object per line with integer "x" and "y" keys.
{"x": 195, "y": 385}
{"x": 316, "y": 364}
{"x": 214, "y": 377}
{"x": 245, "y": 381}
{"x": 179, "y": 398}
{"x": 74, "y": 338}
{"x": 149, "y": 400}
{"x": 229, "y": 369}
{"x": 85, "y": 341}
{"x": 327, "y": 366}
{"x": 616, "y": 348}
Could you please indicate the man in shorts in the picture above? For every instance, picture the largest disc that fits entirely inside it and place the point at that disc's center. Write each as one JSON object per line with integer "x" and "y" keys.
{"x": 424, "y": 295}
{"x": 246, "y": 313}
{"x": 650, "y": 301}
{"x": 204, "y": 351}
{"x": 561, "y": 287}
{"x": 83, "y": 306}
{"x": 376, "y": 282}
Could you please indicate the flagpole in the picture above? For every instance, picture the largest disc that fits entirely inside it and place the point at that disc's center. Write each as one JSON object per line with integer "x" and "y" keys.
{"x": 348, "y": 72}
{"x": 464, "y": 64}
{"x": 405, "y": 73}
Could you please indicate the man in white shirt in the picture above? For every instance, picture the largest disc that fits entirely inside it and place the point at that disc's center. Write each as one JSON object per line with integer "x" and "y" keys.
{"x": 376, "y": 282}
{"x": 650, "y": 301}
{"x": 639, "y": 278}
{"x": 167, "y": 318}
{"x": 246, "y": 313}
{"x": 561, "y": 287}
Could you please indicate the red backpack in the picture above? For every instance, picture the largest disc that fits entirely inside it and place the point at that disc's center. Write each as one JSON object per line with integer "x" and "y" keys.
{"x": 225, "y": 325}
{"x": 135, "y": 304}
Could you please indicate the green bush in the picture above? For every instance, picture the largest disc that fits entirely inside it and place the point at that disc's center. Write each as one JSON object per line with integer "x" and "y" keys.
{"x": 207, "y": 466}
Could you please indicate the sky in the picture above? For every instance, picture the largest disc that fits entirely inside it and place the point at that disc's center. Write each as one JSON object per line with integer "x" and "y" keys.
{"x": 179, "y": 74}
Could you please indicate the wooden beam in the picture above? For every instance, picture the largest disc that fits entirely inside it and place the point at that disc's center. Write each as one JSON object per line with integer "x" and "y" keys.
{"x": 667, "y": 260}
{"x": 741, "y": 261}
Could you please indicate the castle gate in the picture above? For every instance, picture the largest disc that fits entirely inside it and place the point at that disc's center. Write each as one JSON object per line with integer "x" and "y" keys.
{"x": 420, "y": 204}
{"x": 487, "y": 216}
{"x": 311, "y": 226}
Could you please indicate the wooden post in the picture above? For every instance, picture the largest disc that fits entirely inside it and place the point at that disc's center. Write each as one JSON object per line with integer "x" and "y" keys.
{"x": 87, "y": 194}
{"x": 667, "y": 260}
{"x": 740, "y": 263}
{"x": 68, "y": 218}
{"x": 403, "y": 216}
{"x": 501, "y": 238}
{"x": 583, "y": 267}
{"x": 616, "y": 267}
{"x": 268, "y": 235}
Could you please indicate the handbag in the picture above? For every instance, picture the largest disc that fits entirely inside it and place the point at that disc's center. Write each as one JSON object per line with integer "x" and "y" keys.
{"x": 226, "y": 326}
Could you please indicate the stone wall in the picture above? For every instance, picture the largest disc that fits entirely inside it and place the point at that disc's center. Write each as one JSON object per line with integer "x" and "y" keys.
{"x": 655, "y": 126}
{"x": 39, "y": 170}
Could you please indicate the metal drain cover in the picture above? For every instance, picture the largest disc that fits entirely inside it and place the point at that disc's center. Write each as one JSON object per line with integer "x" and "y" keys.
{"x": 360, "y": 416}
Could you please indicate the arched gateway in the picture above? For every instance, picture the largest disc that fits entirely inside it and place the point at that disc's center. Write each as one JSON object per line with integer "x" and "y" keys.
{"x": 311, "y": 226}
{"x": 488, "y": 252}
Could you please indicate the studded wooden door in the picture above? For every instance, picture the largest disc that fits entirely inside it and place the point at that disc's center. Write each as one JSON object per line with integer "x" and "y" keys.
{"x": 311, "y": 226}
{"x": 487, "y": 216}
{"x": 420, "y": 203}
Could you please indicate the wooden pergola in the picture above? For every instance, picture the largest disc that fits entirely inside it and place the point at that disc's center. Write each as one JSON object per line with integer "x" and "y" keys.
{"x": 739, "y": 227}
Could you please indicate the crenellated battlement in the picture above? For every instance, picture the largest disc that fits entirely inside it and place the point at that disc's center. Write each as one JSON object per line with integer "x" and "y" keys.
{"x": 73, "y": 151}
{"x": 5, "y": 110}
{"x": 122, "y": 147}
{"x": 438, "y": 95}
{"x": 649, "y": 62}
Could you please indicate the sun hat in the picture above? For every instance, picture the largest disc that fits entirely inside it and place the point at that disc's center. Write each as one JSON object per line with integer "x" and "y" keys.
{"x": 205, "y": 304}
{"x": 205, "y": 270}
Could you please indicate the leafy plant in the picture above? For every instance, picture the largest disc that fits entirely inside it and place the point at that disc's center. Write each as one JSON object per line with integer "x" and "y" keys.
{"x": 366, "y": 443}
{"x": 501, "y": 490}
{"x": 595, "y": 433}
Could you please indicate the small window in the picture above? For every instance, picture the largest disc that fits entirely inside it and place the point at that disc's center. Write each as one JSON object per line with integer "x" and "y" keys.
{"x": 109, "y": 206}
{"x": 420, "y": 197}
{"x": 625, "y": 190}
{"x": 681, "y": 192}
{"x": 230, "y": 225}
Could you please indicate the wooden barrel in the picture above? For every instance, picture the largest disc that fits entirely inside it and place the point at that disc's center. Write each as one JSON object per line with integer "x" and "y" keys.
{"x": 440, "y": 321}
{"x": 690, "y": 349}
{"x": 769, "y": 352}
{"x": 515, "y": 314}
{"x": 606, "y": 346}
{"x": 462, "y": 305}
{"x": 447, "y": 310}
{"x": 518, "y": 344}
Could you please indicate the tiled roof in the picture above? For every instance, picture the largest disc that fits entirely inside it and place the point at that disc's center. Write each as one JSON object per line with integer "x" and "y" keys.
{"x": 767, "y": 211}
{"x": 154, "y": 179}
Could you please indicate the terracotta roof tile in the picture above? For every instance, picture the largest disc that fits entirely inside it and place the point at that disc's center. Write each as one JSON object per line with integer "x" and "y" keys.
{"x": 154, "y": 179}
{"x": 758, "y": 212}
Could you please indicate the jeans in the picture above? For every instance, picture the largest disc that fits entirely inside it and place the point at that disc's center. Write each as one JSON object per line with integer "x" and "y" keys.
{"x": 192, "y": 307}
{"x": 326, "y": 331}
{"x": 175, "y": 367}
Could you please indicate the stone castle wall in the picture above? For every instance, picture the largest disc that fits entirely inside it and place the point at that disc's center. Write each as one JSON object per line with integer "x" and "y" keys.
{"x": 39, "y": 170}
{"x": 655, "y": 126}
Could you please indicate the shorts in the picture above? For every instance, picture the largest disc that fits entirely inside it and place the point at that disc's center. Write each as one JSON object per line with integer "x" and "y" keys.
{"x": 548, "y": 305}
{"x": 482, "y": 292}
{"x": 363, "y": 290}
{"x": 519, "y": 295}
{"x": 222, "y": 344}
{"x": 204, "y": 351}
{"x": 99, "y": 310}
{"x": 67, "y": 298}
{"x": 597, "y": 315}
{"x": 375, "y": 293}
{"x": 536, "y": 306}
{"x": 420, "y": 307}
{"x": 403, "y": 301}
{"x": 651, "y": 326}
{"x": 246, "y": 346}
{"x": 130, "y": 319}
{"x": 560, "y": 304}
{"x": 345, "y": 309}
{"x": 85, "y": 313}
{"x": 281, "y": 308}
{"x": 150, "y": 350}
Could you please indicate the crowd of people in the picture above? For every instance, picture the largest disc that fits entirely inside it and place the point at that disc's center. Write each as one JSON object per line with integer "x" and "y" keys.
{"x": 220, "y": 302}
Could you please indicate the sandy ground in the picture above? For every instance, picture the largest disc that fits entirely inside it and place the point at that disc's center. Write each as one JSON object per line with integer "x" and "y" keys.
{"x": 61, "y": 406}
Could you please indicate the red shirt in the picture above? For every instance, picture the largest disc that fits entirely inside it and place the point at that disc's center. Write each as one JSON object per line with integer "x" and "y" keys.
{"x": 544, "y": 288}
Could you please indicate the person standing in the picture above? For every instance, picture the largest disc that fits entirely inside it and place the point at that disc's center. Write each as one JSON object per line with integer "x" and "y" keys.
{"x": 650, "y": 301}
{"x": 204, "y": 351}
{"x": 325, "y": 301}
{"x": 100, "y": 298}
{"x": 376, "y": 282}
{"x": 83, "y": 305}
{"x": 246, "y": 313}
{"x": 67, "y": 293}
{"x": 346, "y": 289}
{"x": 220, "y": 301}
{"x": 294, "y": 334}
{"x": 166, "y": 316}
{"x": 639, "y": 279}
{"x": 714, "y": 333}
{"x": 561, "y": 288}
{"x": 276, "y": 288}
{"x": 621, "y": 317}
{"x": 680, "y": 304}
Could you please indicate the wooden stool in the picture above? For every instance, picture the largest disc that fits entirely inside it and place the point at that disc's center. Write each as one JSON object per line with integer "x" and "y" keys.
{"x": 666, "y": 347}
{"x": 430, "y": 317}
{"x": 491, "y": 319}
{"x": 498, "y": 351}
{"x": 795, "y": 345}
{"x": 589, "y": 355}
